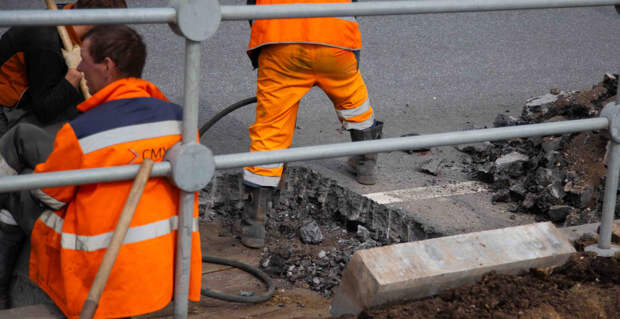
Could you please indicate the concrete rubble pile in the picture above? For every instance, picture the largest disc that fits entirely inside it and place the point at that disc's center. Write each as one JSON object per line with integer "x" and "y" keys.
{"x": 314, "y": 226}
{"x": 558, "y": 178}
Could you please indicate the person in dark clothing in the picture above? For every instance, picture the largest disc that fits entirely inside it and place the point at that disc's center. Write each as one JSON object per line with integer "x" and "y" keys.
{"x": 36, "y": 85}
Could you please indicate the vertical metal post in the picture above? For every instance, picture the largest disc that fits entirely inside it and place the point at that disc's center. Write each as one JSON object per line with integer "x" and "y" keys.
{"x": 604, "y": 247}
{"x": 611, "y": 188}
{"x": 609, "y": 201}
{"x": 186, "y": 201}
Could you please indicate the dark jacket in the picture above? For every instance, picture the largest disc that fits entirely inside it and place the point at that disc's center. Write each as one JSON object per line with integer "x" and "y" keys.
{"x": 48, "y": 94}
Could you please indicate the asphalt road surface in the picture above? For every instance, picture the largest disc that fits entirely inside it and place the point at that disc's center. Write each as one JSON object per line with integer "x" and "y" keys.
{"x": 426, "y": 73}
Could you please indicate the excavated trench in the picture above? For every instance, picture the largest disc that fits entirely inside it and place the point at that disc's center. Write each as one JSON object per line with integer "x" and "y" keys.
{"x": 314, "y": 225}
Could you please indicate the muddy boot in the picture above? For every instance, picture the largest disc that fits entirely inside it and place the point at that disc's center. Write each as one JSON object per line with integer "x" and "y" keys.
{"x": 11, "y": 238}
{"x": 254, "y": 216}
{"x": 365, "y": 166}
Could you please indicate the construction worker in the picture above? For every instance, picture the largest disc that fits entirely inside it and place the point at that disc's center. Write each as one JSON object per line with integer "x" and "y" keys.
{"x": 292, "y": 56}
{"x": 126, "y": 120}
{"x": 36, "y": 84}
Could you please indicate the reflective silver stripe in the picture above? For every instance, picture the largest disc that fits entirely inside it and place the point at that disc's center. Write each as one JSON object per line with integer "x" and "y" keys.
{"x": 350, "y": 19}
{"x": 101, "y": 241}
{"x": 7, "y": 218}
{"x": 359, "y": 125}
{"x": 260, "y": 180}
{"x": 129, "y": 133}
{"x": 48, "y": 200}
{"x": 349, "y": 113}
{"x": 5, "y": 168}
{"x": 306, "y": 42}
{"x": 52, "y": 220}
{"x": 270, "y": 166}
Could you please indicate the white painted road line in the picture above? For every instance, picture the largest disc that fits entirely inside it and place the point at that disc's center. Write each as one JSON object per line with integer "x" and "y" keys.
{"x": 419, "y": 193}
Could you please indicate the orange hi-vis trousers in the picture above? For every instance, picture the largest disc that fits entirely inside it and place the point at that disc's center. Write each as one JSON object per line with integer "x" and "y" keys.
{"x": 286, "y": 72}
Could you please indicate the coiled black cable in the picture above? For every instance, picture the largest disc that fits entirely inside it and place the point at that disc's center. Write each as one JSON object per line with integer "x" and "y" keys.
{"x": 247, "y": 268}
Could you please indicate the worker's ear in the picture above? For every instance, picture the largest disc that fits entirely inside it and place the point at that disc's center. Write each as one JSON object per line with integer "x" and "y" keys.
{"x": 110, "y": 66}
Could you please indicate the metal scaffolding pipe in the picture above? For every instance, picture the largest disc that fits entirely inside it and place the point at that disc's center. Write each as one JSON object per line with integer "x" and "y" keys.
{"x": 78, "y": 177}
{"x": 186, "y": 199}
{"x": 611, "y": 189}
{"x": 9, "y": 18}
{"x": 192, "y": 91}
{"x": 407, "y": 143}
{"x": 397, "y": 8}
{"x": 109, "y": 174}
{"x": 609, "y": 199}
{"x": 168, "y": 15}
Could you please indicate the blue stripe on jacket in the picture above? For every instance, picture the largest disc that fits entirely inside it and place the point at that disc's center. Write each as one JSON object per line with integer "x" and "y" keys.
{"x": 125, "y": 112}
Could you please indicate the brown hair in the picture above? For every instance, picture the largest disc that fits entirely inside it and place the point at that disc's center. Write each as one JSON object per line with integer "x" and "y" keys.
{"x": 97, "y": 4}
{"x": 121, "y": 44}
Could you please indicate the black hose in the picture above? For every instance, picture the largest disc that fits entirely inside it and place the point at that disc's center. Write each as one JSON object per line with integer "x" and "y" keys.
{"x": 223, "y": 113}
{"x": 221, "y": 261}
{"x": 247, "y": 268}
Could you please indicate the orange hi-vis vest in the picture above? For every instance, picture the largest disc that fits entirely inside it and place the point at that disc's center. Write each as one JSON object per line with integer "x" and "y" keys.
{"x": 339, "y": 32}
{"x": 125, "y": 122}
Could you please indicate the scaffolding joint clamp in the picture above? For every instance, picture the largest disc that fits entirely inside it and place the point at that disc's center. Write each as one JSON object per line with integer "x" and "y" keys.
{"x": 611, "y": 111}
{"x": 192, "y": 164}
{"x": 197, "y": 20}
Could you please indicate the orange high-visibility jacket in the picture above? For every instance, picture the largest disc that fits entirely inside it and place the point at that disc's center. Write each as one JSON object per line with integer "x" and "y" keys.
{"x": 340, "y": 32}
{"x": 123, "y": 123}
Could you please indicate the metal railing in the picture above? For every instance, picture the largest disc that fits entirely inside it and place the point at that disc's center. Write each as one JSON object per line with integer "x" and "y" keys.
{"x": 198, "y": 20}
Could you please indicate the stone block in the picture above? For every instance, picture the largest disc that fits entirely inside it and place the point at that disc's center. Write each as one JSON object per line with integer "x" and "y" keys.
{"x": 420, "y": 269}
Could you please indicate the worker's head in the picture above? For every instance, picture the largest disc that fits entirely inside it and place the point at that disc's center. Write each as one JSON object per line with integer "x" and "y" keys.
{"x": 110, "y": 53}
{"x": 100, "y": 4}
{"x": 81, "y": 30}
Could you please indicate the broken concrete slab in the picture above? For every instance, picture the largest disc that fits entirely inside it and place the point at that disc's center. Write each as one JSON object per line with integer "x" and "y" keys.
{"x": 502, "y": 120}
{"x": 511, "y": 163}
{"x": 431, "y": 166}
{"x": 541, "y": 100}
{"x": 423, "y": 268}
{"x": 558, "y": 213}
{"x": 310, "y": 232}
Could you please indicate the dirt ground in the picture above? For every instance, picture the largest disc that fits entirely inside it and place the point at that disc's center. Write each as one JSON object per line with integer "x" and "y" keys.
{"x": 585, "y": 287}
{"x": 289, "y": 300}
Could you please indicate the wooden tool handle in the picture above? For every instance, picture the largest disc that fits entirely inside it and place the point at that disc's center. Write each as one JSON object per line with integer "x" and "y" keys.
{"x": 67, "y": 44}
{"x": 118, "y": 237}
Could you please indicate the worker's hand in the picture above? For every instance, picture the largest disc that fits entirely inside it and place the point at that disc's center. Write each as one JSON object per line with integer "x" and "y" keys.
{"x": 74, "y": 77}
{"x": 72, "y": 57}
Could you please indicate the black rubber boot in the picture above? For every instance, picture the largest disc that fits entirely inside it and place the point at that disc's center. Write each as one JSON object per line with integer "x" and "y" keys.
{"x": 365, "y": 166}
{"x": 255, "y": 215}
{"x": 11, "y": 239}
